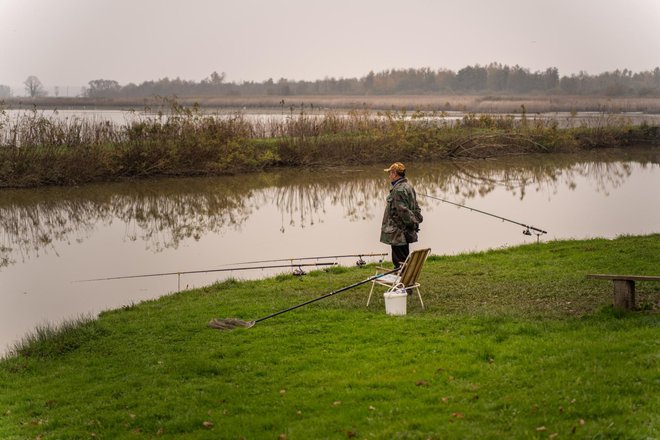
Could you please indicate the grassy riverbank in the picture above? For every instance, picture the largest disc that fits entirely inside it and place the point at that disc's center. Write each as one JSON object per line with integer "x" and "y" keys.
{"x": 515, "y": 343}
{"x": 38, "y": 150}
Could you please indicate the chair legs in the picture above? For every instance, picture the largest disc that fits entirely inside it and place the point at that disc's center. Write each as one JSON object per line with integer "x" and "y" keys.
{"x": 373, "y": 284}
{"x": 420, "y": 297}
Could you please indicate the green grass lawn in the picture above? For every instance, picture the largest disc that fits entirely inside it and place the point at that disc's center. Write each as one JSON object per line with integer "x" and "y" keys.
{"x": 514, "y": 343}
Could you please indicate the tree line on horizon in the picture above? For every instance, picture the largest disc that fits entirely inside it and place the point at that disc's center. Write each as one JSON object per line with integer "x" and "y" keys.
{"x": 491, "y": 78}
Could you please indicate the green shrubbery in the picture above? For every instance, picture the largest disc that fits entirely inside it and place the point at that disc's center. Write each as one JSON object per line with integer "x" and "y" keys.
{"x": 37, "y": 150}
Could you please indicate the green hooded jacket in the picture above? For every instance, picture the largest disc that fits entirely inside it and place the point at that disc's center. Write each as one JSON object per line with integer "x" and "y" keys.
{"x": 402, "y": 215}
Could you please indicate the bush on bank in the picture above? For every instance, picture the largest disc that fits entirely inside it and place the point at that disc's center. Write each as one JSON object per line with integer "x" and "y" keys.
{"x": 36, "y": 150}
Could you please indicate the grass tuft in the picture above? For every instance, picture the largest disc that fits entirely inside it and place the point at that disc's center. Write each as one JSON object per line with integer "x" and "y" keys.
{"x": 49, "y": 341}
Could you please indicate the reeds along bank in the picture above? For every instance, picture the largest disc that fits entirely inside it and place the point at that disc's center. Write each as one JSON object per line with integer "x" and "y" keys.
{"x": 46, "y": 150}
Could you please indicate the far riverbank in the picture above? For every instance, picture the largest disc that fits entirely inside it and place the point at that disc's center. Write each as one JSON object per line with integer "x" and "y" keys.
{"x": 474, "y": 103}
{"x": 38, "y": 150}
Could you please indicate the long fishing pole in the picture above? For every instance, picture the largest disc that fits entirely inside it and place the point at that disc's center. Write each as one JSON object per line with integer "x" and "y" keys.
{"x": 527, "y": 227}
{"x": 231, "y": 323}
{"x": 326, "y": 257}
{"x": 201, "y": 271}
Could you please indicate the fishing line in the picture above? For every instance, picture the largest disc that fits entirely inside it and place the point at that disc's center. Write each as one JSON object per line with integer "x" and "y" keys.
{"x": 203, "y": 271}
{"x": 327, "y": 257}
{"x": 528, "y": 228}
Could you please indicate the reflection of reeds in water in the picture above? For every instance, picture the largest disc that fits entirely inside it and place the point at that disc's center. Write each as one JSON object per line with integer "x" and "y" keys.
{"x": 305, "y": 204}
{"x": 469, "y": 179}
{"x": 163, "y": 214}
{"x": 29, "y": 228}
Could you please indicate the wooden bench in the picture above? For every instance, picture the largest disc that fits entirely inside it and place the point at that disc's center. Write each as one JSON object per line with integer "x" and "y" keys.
{"x": 624, "y": 287}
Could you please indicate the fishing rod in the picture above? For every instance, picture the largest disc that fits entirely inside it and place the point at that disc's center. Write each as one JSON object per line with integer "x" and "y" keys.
{"x": 360, "y": 262}
{"x": 232, "y": 323}
{"x": 201, "y": 271}
{"x": 528, "y": 228}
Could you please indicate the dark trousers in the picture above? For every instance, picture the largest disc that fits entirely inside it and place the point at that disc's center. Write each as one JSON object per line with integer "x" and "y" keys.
{"x": 399, "y": 254}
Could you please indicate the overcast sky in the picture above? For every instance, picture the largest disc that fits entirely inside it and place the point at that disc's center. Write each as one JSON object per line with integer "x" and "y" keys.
{"x": 67, "y": 43}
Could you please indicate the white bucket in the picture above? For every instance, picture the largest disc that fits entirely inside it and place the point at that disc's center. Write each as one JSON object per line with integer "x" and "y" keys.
{"x": 396, "y": 301}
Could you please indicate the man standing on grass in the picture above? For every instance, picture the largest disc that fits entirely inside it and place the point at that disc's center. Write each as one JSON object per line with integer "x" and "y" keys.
{"x": 402, "y": 215}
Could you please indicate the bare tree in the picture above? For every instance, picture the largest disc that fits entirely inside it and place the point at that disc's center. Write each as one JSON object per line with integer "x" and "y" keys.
{"x": 33, "y": 87}
{"x": 215, "y": 79}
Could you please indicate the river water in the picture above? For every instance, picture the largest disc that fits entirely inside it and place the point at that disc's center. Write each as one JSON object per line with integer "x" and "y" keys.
{"x": 268, "y": 117}
{"x": 51, "y": 237}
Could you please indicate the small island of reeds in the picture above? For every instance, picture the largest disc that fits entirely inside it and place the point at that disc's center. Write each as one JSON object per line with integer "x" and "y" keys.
{"x": 37, "y": 150}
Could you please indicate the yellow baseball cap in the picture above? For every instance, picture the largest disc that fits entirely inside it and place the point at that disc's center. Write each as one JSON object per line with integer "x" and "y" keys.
{"x": 396, "y": 166}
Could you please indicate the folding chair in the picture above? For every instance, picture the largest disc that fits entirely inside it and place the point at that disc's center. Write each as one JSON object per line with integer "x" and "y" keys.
{"x": 408, "y": 274}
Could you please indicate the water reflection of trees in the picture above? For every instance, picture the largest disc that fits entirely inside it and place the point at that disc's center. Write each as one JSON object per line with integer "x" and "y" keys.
{"x": 361, "y": 194}
{"x": 31, "y": 227}
{"x": 160, "y": 214}
{"x": 469, "y": 179}
{"x": 164, "y": 213}
{"x": 303, "y": 202}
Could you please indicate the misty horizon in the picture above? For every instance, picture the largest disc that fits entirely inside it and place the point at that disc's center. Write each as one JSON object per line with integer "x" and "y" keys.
{"x": 82, "y": 90}
{"x": 71, "y": 42}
